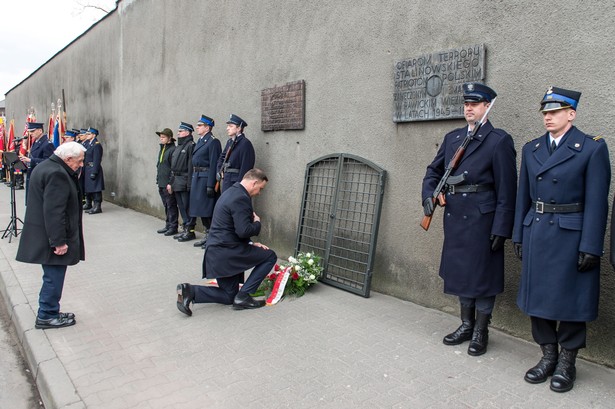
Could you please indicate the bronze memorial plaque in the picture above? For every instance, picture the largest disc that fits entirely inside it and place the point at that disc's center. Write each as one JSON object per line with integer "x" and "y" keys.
{"x": 429, "y": 87}
{"x": 283, "y": 107}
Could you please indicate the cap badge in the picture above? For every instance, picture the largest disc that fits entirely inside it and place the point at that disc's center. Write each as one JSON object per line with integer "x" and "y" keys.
{"x": 470, "y": 87}
{"x": 550, "y": 90}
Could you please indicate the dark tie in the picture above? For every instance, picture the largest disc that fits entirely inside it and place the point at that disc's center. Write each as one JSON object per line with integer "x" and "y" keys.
{"x": 553, "y": 146}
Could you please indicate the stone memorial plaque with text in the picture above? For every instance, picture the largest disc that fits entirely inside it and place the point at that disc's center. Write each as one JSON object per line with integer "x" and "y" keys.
{"x": 283, "y": 107}
{"x": 429, "y": 87}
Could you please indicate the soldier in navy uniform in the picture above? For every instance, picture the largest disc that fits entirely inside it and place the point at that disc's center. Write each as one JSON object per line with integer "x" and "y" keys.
{"x": 40, "y": 150}
{"x": 181, "y": 176}
{"x": 230, "y": 251}
{"x": 238, "y": 155}
{"x": 204, "y": 158}
{"x": 560, "y": 222}
{"x": 93, "y": 177}
{"x": 478, "y": 217}
{"x": 69, "y": 136}
{"x": 163, "y": 177}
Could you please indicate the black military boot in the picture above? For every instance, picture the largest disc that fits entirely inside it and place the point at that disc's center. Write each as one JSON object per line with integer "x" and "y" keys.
{"x": 187, "y": 236}
{"x": 565, "y": 372}
{"x": 180, "y": 233}
{"x": 88, "y": 204}
{"x": 201, "y": 242}
{"x": 464, "y": 332}
{"x": 96, "y": 208}
{"x": 480, "y": 337}
{"x": 545, "y": 367}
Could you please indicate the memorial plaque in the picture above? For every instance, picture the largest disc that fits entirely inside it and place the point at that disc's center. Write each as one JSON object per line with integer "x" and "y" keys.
{"x": 283, "y": 107}
{"x": 430, "y": 87}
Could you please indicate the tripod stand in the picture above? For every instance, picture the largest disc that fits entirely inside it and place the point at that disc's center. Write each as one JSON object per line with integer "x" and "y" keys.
{"x": 12, "y": 230}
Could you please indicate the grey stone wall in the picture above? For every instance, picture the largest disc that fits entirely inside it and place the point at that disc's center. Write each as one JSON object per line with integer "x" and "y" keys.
{"x": 151, "y": 64}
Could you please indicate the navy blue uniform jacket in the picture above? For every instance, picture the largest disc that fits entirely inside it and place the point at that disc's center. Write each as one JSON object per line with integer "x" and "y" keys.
{"x": 41, "y": 149}
{"x": 228, "y": 251}
{"x": 242, "y": 157}
{"x": 205, "y": 155}
{"x": 93, "y": 166}
{"x": 579, "y": 171}
{"x": 468, "y": 266}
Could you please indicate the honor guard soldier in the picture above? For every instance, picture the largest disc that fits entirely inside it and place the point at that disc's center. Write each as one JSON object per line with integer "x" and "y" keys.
{"x": 163, "y": 177}
{"x": 181, "y": 176}
{"x": 69, "y": 136}
{"x": 202, "y": 191}
{"x": 93, "y": 177}
{"x": 478, "y": 216}
{"x": 560, "y": 222}
{"x": 238, "y": 155}
{"x": 40, "y": 150}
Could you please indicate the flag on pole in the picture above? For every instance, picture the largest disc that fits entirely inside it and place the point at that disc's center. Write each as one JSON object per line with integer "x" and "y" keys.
{"x": 56, "y": 132}
{"x": 11, "y": 142}
{"x": 2, "y": 139}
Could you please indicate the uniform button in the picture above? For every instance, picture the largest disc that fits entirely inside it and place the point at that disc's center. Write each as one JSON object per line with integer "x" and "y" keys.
{"x": 539, "y": 177}
{"x": 464, "y": 195}
{"x": 551, "y": 222}
{"x": 554, "y": 180}
{"x": 539, "y": 199}
{"x": 465, "y": 217}
{"x": 552, "y": 201}
{"x": 448, "y": 215}
{"x": 538, "y": 219}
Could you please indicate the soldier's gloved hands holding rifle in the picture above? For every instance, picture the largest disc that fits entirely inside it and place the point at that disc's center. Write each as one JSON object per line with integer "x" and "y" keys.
{"x": 587, "y": 262}
{"x": 518, "y": 250}
{"x": 428, "y": 206}
{"x": 497, "y": 242}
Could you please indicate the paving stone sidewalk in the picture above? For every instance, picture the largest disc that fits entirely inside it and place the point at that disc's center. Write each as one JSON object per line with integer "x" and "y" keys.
{"x": 131, "y": 347}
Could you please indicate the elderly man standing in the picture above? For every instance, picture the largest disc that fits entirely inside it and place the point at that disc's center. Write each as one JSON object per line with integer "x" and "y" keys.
{"x": 230, "y": 250}
{"x": 52, "y": 233}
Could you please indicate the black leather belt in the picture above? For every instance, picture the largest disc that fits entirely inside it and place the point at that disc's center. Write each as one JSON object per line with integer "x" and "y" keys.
{"x": 452, "y": 189}
{"x": 542, "y": 207}
{"x": 200, "y": 169}
{"x": 178, "y": 173}
{"x": 231, "y": 170}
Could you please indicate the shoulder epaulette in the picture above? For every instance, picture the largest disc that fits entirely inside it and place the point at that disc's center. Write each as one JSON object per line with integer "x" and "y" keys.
{"x": 597, "y": 138}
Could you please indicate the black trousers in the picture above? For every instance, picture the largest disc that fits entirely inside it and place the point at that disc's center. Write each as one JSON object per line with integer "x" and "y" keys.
{"x": 170, "y": 208}
{"x": 183, "y": 203}
{"x": 569, "y": 334}
{"x": 483, "y": 305}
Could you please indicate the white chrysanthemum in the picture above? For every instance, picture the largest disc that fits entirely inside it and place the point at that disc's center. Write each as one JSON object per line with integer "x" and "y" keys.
{"x": 310, "y": 261}
{"x": 292, "y": 259}
{"x": 308, "y": 255}
{"x": 297, "y": 268}
{"x": 312, "y": 277}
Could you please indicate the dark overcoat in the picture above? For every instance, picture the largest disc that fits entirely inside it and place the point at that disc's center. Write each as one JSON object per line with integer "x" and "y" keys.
{"x": 53, "y": 216}
{"x": 181, "y": 164}
{"x": 468, "y": 266}
{"x": 228, "y": 251}
{"x": 578, "y": 171}
{"x": 92, "y": 165}
{"x": 41, "y": 149}
{"x": 163, "y": 165}
{"x": 242, "y": 157}
{"x": 205, "y": 155}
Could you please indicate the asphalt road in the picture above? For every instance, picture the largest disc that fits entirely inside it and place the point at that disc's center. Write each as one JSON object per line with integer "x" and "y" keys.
{"x": 17, "y": 388}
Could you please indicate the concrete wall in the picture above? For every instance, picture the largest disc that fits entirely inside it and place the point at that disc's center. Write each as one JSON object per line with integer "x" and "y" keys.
{"x": 151, "y": 64}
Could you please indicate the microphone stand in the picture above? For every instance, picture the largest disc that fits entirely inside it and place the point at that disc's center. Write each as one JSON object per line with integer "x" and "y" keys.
{"x": 12, "y": 230}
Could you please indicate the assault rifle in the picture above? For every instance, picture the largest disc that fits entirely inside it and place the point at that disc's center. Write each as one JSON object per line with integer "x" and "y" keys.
{"x": 437, "y": 197}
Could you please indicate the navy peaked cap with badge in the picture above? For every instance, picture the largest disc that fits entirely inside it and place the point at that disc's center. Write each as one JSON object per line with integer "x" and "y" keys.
{"x": 76, "y": 131}
{"x": 83, "y": 131}
{"x": 234, "y": 119}
{"x": 477, "y": 92}
{"x": 70, "y": 134}
{"x": 207, "y": 120}
{"x": 34, "y": 125}
{"x": 92, "y": 130}
{"x": 559, "y": 98}
{"x": 186, "y": 127}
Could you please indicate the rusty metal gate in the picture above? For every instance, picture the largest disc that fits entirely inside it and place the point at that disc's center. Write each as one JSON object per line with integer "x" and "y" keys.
{"x": 340, "y": 215}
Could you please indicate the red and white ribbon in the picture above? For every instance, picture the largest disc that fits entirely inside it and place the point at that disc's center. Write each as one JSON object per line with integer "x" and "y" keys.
{"x": 278, "y": 287}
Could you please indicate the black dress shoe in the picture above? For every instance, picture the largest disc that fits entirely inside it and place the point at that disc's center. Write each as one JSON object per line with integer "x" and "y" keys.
{"x": 57, "y": 322}
{"x": 187, "y": 237}
{"x": 184, "y": 298}
{"x": 178, "y": 235}
{"x": 170, "y": 232}
{"x": 162, "y": 231}
{"x": 200, "y": 243}
{"x": 67, "y": 315}
{"x": 243, "y": 301}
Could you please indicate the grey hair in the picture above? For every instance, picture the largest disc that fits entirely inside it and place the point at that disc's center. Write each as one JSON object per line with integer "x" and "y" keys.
{"x": 69, "y": 150}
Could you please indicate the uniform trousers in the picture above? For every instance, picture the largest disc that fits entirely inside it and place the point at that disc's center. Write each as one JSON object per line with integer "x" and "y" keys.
{"x": 183, "y": 203}
{"x": 483, "y": 305}
{"x": 170, "y": 208}
{"x": 569, "y": 334}
{"x": 51, "y": 291}
{"x": 228, "y": 287}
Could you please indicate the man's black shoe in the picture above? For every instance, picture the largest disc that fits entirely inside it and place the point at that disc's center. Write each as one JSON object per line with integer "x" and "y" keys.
{"x": 187, "y": 236}
{"x": 184, "y": 298}
{"x": 67, "y": 315}
{"x": 170, "y": 232}
{"x": 163, "y": 230}
{"x": 200, "y": 243}
{"x": 57, "y": 322}
{"x": 243, "y": 301}
{"x": 178, "y": 235}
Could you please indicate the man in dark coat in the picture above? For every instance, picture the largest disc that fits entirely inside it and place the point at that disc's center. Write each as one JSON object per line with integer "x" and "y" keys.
{"x": 230, "y": 251}
{"x": 560, "y": 222}
{"x": 163, "y": 177}
{"x": 478, "y": 217}
{"x": 52, "y": 233}
{"x": 40, "y": 150}
{"x": 93, "y": 177}
{"x": 204, "y": 158}
{"x": 238, "y": 155}
{"x": 181, "y": 176}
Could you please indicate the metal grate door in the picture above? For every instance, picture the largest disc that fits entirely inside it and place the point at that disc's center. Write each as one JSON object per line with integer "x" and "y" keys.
{"x": 339, "y": 219}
